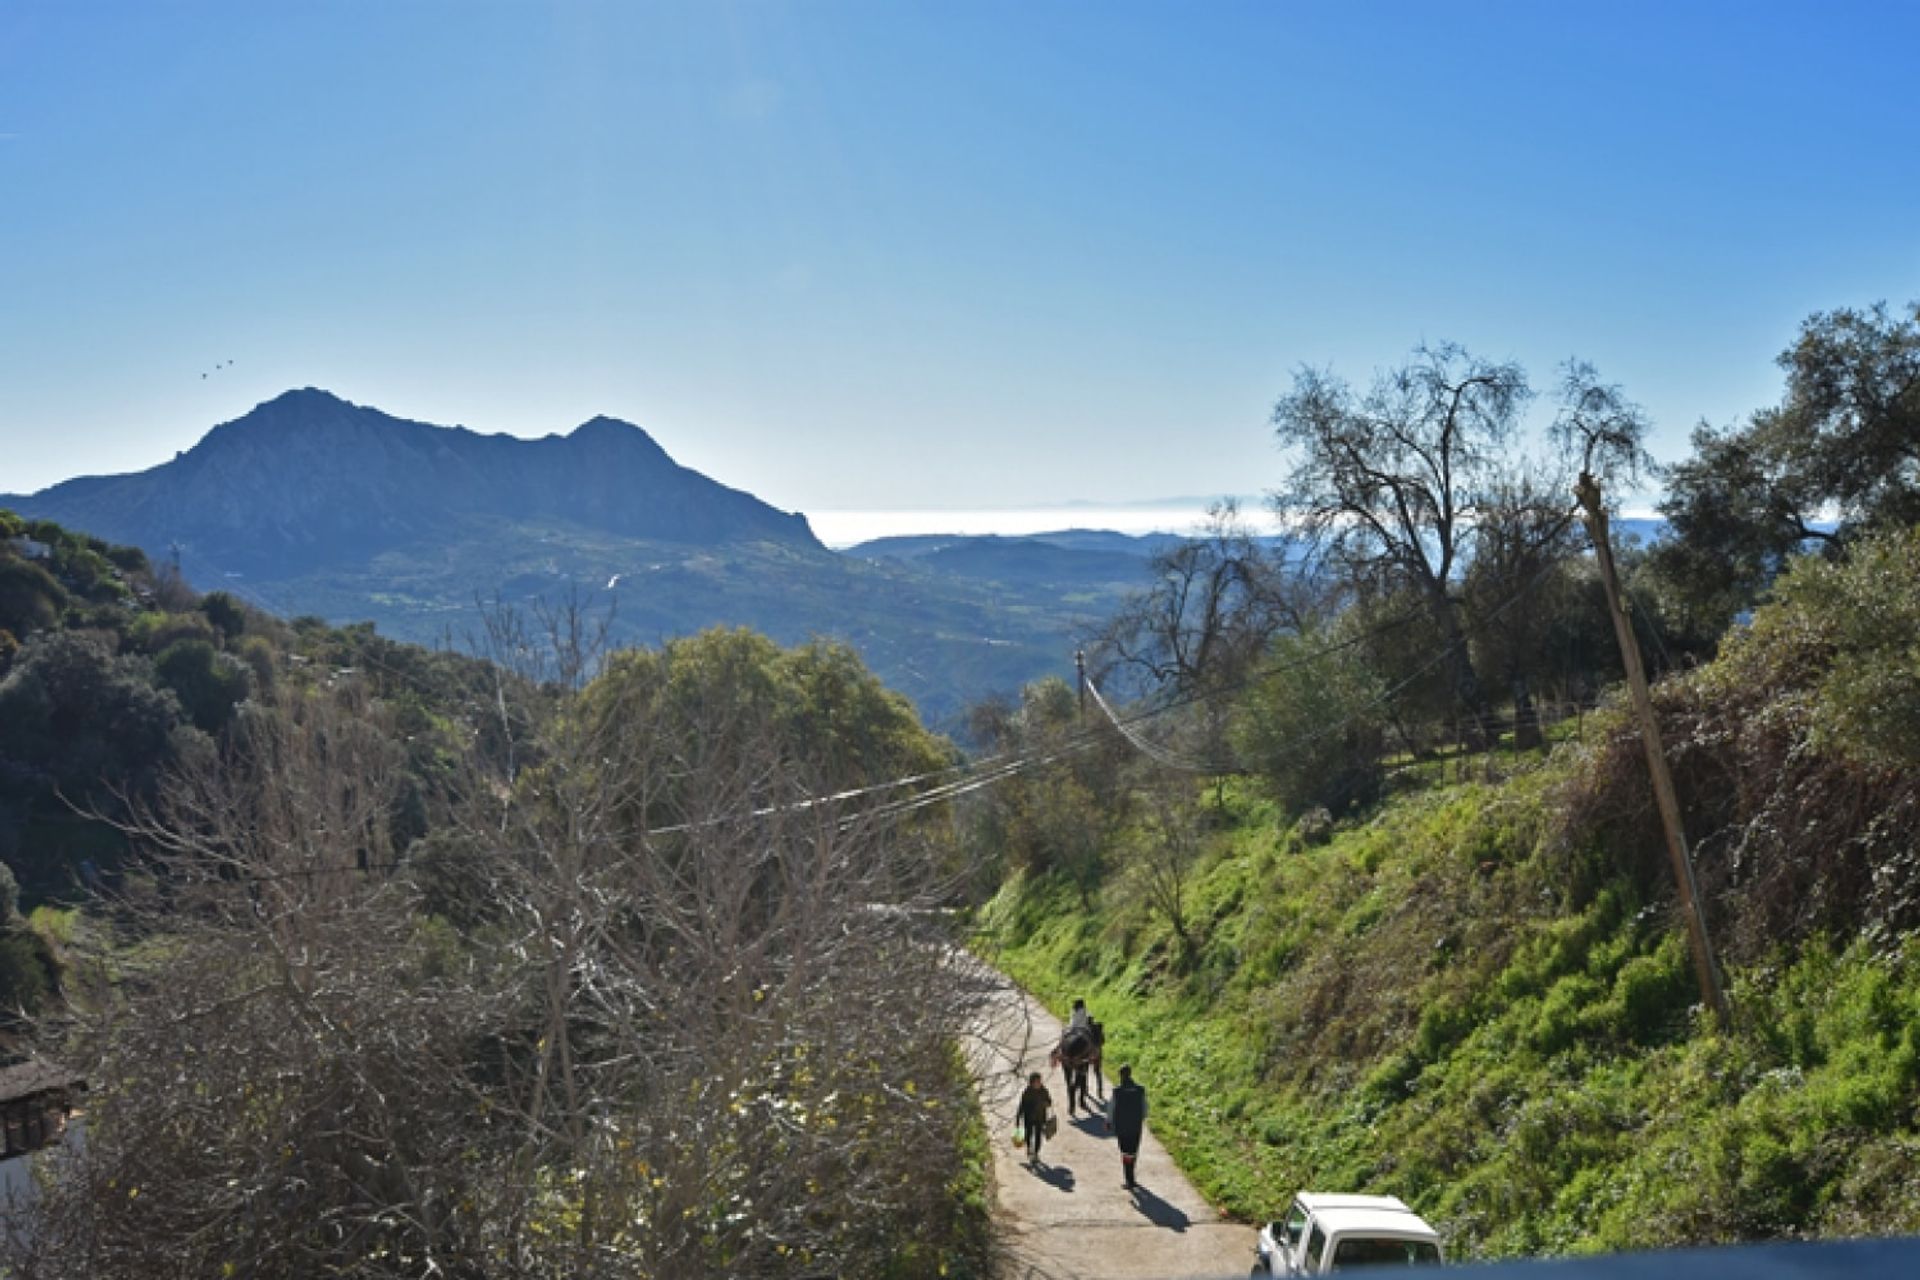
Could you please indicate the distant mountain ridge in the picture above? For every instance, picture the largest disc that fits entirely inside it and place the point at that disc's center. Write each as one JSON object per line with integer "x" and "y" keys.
{"x": 309, "y": 479}
{"x": 313, "y": 505}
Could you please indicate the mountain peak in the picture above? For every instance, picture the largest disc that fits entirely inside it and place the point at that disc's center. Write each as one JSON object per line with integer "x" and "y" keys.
{"x": 303, "y": 402}
{"x": 613, "y": 438}
{"x": 303, "y": 407}
{"x": 309, "y": 395}
{"x": 309, "y": 478}
{"x": 601, "y": 424}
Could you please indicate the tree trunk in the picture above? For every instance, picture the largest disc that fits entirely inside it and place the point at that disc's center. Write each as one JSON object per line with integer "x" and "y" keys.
{"x": 1526, "y": 719}
{"x": 1476, "y": 731}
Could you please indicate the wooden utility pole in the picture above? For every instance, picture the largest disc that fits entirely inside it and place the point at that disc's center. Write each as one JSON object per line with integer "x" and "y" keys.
{"x": 1080, "y": 672}
{"x": 1712, "y": 994}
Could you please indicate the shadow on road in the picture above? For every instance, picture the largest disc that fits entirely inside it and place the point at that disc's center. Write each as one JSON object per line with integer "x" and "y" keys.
{"x": 1092, "y": 1126}
{"x": 1158, "y": 1211}
{"x": 1058, "y": 1176}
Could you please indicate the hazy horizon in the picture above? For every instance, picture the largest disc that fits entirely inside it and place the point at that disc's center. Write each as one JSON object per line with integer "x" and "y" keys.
{"x": 844, "y": 528}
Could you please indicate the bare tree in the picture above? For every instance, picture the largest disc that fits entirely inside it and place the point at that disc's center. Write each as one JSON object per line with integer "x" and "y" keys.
{"x": 1397, "y": 486}
{"x": 1389, "y": 482}
{"x": 1163, "y": 856}
{"x": 276, "y": 1076}
{"x": 1215, "y": 601}
{"x": 1512, "y": 591}
{"x": 678, "y": 1031}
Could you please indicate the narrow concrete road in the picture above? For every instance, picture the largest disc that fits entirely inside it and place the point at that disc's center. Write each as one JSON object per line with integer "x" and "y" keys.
{"x": 1071, "y": 1217}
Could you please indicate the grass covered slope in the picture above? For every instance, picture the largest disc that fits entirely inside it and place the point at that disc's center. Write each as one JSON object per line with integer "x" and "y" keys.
{"x": 1478, "y": 998}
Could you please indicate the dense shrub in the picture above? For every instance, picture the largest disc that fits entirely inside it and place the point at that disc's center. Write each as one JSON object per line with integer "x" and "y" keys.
{"x": 1312, "y": 727}
{"x": 153, "y": 631}
{"x": 27, "y": 976}
{"x": 1794, "y": 758}
{"x": 77, "y": 717}
{"x": 30, "y": 599}
{"x": 228, "y": 615}
{"x": 208, "y": 683}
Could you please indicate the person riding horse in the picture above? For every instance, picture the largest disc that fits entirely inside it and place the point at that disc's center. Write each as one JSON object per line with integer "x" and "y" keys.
{"x": 1078, "y": 1051}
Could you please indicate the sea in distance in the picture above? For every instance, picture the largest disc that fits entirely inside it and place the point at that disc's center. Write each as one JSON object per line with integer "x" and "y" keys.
{"x": 846, "y": 528}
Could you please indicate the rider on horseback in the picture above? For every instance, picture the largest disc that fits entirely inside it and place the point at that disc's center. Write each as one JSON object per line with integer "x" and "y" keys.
{"x": 1079, "y": 1050}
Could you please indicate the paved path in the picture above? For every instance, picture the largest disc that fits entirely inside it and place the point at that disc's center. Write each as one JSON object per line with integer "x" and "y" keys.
{"x": 1071, "y": 1217}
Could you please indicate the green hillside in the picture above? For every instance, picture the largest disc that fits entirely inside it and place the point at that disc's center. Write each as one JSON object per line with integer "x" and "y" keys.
{"x": 1477, "y": 996}
{"x": 566, "y": 939}
{"x": 940, "y": 639}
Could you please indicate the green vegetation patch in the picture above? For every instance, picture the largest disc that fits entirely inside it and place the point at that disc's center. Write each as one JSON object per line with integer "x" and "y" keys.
{"x": 1429, "y": 1005}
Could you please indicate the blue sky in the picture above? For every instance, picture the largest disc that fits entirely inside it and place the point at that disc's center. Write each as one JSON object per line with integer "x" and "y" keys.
{"x": 900, "y": 255}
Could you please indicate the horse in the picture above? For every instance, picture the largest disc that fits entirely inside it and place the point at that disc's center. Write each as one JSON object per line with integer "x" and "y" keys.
{"x": 1077, "y": 1052}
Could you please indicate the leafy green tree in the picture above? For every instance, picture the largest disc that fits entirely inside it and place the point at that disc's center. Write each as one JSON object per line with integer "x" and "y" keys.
{"x": 262, "y": 662}
{"x": 130, "y": 560}
{"x": 1868, "y": 610}
{"x": 847, "y": 723}
{"x": 30, "y": 599}
{"x": 79, "y": 718}
{"x": 1840, "y": 454}
{"x": 27, "y": 977}
{"x": 228, "y": 615}
{"x": 1059, "y": 815}
{"x": 208, "y": 683}
{"x": 156, "y": 630}
{"x": 1313, "y": 726}
{"x": 817, "y": 706}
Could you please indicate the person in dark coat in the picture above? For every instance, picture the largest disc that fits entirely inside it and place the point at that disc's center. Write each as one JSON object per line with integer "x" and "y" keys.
{"x": 1127, "y": 1117}
{"x": 1099, "y": 1047}
{"x": 1036, "y": 1104}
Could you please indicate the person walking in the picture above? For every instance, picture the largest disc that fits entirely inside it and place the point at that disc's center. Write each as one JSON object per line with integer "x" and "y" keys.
{"x": 1099, "y": 1048}
{"x": 1127, "y": 1117}
{"x": 1036, "y": 1108}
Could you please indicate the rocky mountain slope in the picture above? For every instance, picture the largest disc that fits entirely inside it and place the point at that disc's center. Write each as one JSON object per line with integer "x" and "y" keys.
{"x": 308, "y": 480}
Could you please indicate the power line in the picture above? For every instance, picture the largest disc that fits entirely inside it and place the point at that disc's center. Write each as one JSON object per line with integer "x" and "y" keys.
{"x": 1164, "y": 755}
{"x": 1442, "y": 654}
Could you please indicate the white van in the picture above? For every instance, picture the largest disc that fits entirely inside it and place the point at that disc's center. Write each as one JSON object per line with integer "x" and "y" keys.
{"x": 1323, "y": 1233}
